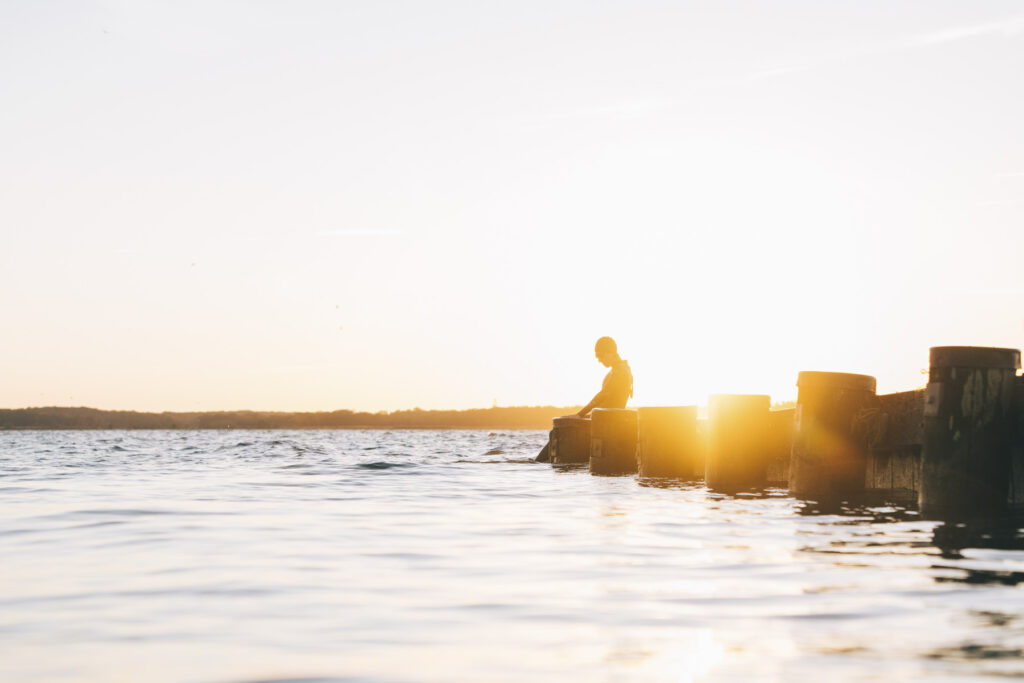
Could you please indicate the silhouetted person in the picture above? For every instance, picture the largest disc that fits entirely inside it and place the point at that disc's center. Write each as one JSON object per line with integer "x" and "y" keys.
{"x": 616, "y": 389}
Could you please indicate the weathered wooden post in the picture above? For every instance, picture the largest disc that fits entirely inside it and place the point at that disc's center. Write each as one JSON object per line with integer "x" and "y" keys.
{"x": 667, "y": 443}
{"x": 738, "y": 436}
{"x": 1017, "y": 454}
{"x": 570, "y": 440}
{"x": 613, "y": 441}
{"x": 965, "y": 462}
{"x": 829, "y": 452}
{"x": 894, "y": 447}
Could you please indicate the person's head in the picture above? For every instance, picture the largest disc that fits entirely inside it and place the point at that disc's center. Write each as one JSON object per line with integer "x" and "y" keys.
{"x": 606, "y": 351}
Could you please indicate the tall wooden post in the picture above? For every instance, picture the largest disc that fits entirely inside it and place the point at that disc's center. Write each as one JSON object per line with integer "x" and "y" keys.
{"x": 965, "y": 463}
{"x": 829, "y": 454}
{"x": 668, "y": 445}
{"x": 738, "y": 441}
{"x": 570, "y": 440}
{"x": 613, "y": 441}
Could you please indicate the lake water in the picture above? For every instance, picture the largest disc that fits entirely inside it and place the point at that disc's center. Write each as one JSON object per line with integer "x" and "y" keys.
{"x": 449, "y": 555}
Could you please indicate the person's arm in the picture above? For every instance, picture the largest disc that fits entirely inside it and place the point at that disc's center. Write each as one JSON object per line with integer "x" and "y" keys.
{"x": 594, "y": 402}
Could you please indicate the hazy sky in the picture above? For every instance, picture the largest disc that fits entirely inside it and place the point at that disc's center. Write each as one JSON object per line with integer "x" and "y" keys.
{"x": 380, "y": 205}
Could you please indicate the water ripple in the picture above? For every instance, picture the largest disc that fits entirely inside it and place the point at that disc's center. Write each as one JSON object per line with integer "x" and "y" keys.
{"x": 300, "y": 555}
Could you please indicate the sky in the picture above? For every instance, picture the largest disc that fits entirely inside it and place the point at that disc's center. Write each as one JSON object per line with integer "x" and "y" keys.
{"x": 384, "y": 205}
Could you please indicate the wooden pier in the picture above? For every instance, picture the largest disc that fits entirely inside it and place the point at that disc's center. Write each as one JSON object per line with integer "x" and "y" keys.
{"x": 955, "y": 447}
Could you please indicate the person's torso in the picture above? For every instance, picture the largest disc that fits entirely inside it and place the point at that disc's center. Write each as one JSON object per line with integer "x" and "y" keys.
{"x": 617, "y": 386}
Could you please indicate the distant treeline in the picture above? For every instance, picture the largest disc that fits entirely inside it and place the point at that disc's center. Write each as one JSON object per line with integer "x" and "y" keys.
{"x": 521, "y": 417}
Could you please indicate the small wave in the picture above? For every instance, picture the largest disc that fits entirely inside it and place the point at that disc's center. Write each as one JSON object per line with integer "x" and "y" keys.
{"x": 296, "y": 446}
{"x": 382, "y": 465}
{"x": 130, "y": 512}
{"x": 305, "y": 679}
{"x": 981, "y": 576}
{"x": 512, "y": 461}
{"x": 495, "y": 451}
{"x": 240, "y": 444}
{"x": 118, "y": 448}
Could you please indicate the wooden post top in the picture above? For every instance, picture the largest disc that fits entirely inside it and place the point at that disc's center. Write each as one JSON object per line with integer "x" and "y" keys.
{"x": 974, "y": 357}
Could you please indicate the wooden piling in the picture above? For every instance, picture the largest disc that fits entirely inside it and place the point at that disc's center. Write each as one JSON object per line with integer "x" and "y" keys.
{"x": 829, "y": 453}
{"x": 1017, "y": 454}
{"x": 738, "y": 441}
{"x": 667, "y": 443}
{"x": 966, "y": 460}
{"x": 894, "y": 447}
{"x": 613, "y": 435}
{"x": 780, "y": 445}
{"x": 570, "y": 440}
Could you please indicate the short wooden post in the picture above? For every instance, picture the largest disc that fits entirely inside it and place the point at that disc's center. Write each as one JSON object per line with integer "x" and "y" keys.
{"x": 737, "y": 441}
{"x": 965, "y": 462}
{"x": 613, "y": 434}
{"x": 570, "y": 440}
{"x": 668, "y": 445}
{"x": 894, "y": 448}
{"x": 1017, "y": 452}
{"x": 829, "y": 451}
{"x": 780, "y": 432}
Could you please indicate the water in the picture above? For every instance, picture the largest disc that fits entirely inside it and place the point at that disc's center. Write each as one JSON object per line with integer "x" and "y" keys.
{"x": 448, "y": 555}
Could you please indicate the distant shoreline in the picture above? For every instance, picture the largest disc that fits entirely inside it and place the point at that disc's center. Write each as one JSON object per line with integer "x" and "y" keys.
{"x": 450, "y": 428}
{"x": 63, "y": 418}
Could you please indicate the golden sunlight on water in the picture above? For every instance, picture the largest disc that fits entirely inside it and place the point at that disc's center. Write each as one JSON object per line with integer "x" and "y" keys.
{"x": 367, "y": 555}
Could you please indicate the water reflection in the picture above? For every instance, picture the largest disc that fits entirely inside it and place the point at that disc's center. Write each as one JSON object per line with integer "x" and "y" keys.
{"x": 669, "y": 483}
{"x": 948, "y": 540}
{"x": 380, "y": 557}
{"x": 858, "y": 511}
{"x": 1002, "y": 533}
{"x": 964, "y": 541}
{"x": 570, "y": 467}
